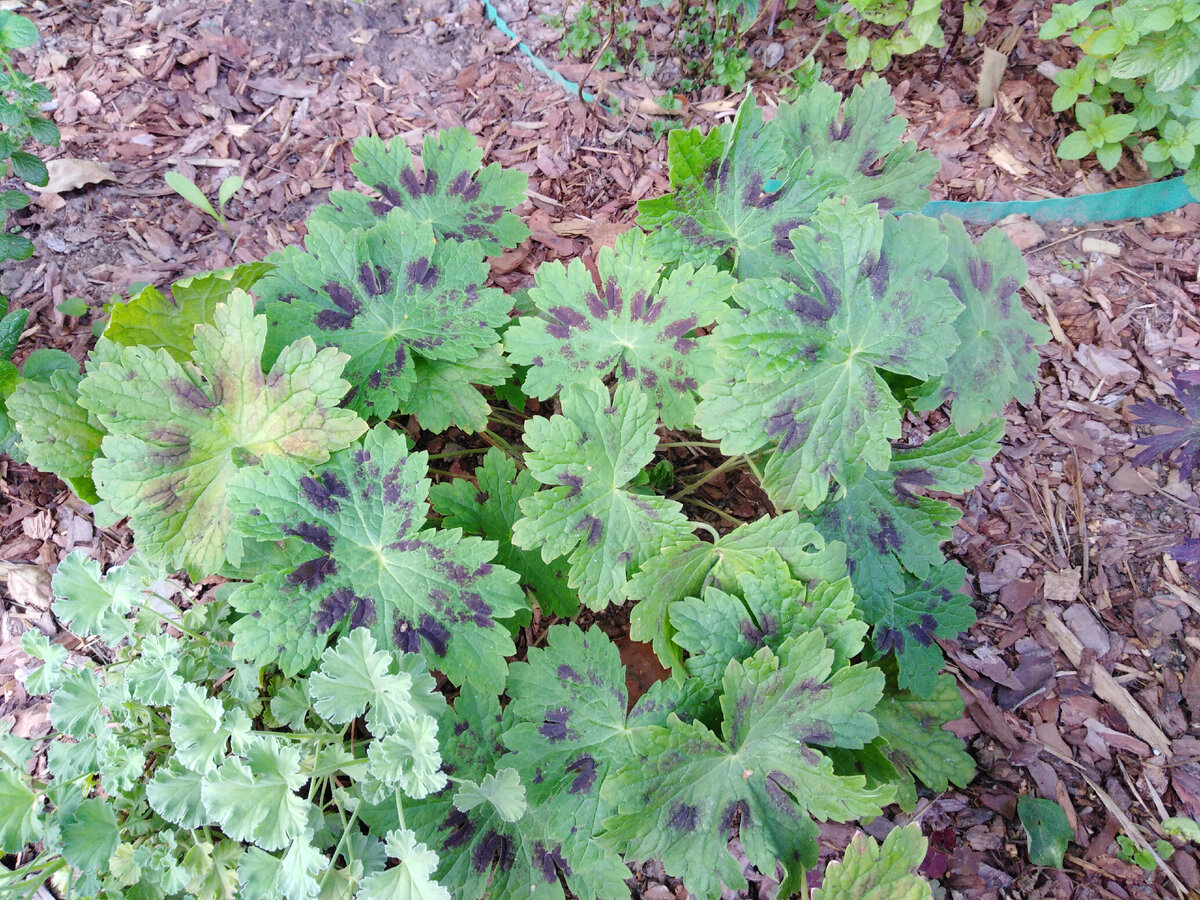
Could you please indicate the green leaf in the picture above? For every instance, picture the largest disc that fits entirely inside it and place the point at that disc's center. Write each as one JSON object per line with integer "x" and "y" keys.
{"x": 254, "y": 799}
{"x": 908, "y": 620}
{"x": 196, "y": 729}
{"x": 412, "y": 879}
{"x": 19, "y": 807}
{"x": 1188, "y": 829}
{"x": 76, "y": 708}
{"x": 45, "y": 361}
{"x": 187, "y": 189}
{"x": 408, "y": 758}
{"x": 683, "y": 568}
{"x": 385, "y": 296}
{"x": 357, "y": 557}
{"x": 153, "y": 675}
{"x": 685, "y": 785}
{"x": 720, "y": 205}
{"x": 1047, "y": 828}
{"x": 30, "y": 169}
{"x": 228, "y": 188}
{"x": 868, "y": 871}
{"x": 996, "y": 359}
{"x": 590, "y": 454}
{"x": 90, "y": 836}
{"x": 212, "y": 870}
{"x": 861, "y": 153}
{"x": 635, "y": 324}
{"x": 177, "y": 433}
{"x": 16, "y": 32}
{"x": 174, "y": 793}
{"x": 93, "y": 605}
{"x": 154, "y": 320}
{"x": 503, "y": 791}
{"x": 489, "y": 508}
{"x": 800, "y": 369}
{"x": 11, "y": 326}
{"x": 1075, "y": 145}
{"x": 57, "y": 434}
{"x": 915, "y": 741}
{"x": 444, "y": 393}
{"x": 47, "y": 677}
{"x": 771, "y": 608}
{"x": 453, "y": 195}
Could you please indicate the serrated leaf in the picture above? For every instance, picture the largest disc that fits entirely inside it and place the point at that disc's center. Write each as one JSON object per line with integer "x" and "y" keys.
{"x": 177, "y": 433}
{"x": 489, "y": 508}
{"x": 888, "y": 526}
{"x": 152, "y": 319}
{"x": 444, "y": 394}
{"x": 90, "y": 836}
{"x": 1185, "y": 426}
{"x": 591, "y": 454}
{"x": 358, "y": 558}
{"x": 94, "y": 605}
{"x": 868, "y": 871}
{"x": 801, "y": 368}
{"x": 153, "y": 675}
{"x": 569, "y": 733}
{"x": 254, "y": 799}
{"x": 636, "y": 324}
{"x": 57, "y": 434}
{"x": 174, "y": 793}
{"x": 355, "y": 676}
{"x": 407, "y": 757}
{"x": 915, "y": 741}
{"x": 412, "y": 879}
{"x": 720, "y": 205}
{"x": 454, "y": 196}
{"x": 19, "y": 807}
{"x": 1047, "y": 828}
{"x": 772, "y": 607}
{"x": 682, "y": 569}
{"x": 996, "y": 359}
{"x": 860, "y": 153}
{"x": 385, "y": 296}
{"x": 212, "y": 870}
{"x": 197, "y": 730}
{"x": 76, "y": 708}
{"x": 686, "y": 786}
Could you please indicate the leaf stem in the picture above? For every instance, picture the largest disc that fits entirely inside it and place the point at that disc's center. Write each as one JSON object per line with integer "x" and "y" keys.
{"x": 708, "y": 445}
{"x": 713, "y": 509}
{"x": 451, "y": 454}
{"x": 496, "y": 441}
{"x": 730, "y": 463}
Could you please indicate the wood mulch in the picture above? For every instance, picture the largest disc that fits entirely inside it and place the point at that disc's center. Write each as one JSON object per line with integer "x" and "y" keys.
{"x": 1082, "y": 676}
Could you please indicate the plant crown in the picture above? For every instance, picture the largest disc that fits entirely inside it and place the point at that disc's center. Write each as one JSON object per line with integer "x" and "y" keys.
{"x": 358, "y": 709}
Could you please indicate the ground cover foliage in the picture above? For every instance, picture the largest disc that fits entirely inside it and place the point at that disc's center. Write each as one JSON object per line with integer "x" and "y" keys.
{"x": 349, "y": 714}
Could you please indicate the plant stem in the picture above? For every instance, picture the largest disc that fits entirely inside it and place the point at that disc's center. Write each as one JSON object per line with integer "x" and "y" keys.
{"x": 730, "y": 463}
{"x": 713, "y": 509}
{"x": 496, "y": 441}
{"x": 451, "y": 454}
{"x": 708, "y": 445}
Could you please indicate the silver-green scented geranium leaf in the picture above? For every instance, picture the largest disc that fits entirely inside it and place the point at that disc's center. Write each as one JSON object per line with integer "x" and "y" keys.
{"x": 772, "y": 607}
{"x": 685, "y": 787}
{"x": 772, "y": 544}
{"x": 453, "y": 195}
{"x": 489, "y": 508}
{"x": 359, "y": 559}
{"x": 384, "y": 295}
{"x": 636, "y": 323}
{"x": 178, "y": 432}
{"x": 868, "y": 871}
{"x": 590, "y": 455}
{"x": 255, "y": 799}
{"x": 996, "y": 359}
{"x": 801, "y": 369}
{"x": 861, "y": 153}
{"x": 569, "y": 702}
{"x": 412, "y": 877}
{"x": 720, "y": 204}
{"x": 91, "y": 604}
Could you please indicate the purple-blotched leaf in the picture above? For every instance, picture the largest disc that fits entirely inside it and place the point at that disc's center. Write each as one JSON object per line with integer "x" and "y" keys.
{"x": 386, "y": 295}
{"x": 451, "y": 194}
{"x": 360, "y": 559}
{"x": 635, "y": 323}
{"x": 1186, "y": 426}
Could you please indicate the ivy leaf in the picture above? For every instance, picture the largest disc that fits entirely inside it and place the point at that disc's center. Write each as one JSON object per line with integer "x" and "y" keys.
{"x": 456, "y": 198}
{"x": 868, "y": 871}
{"x": 908, "y": 620}
{"x": 445, "y": 395}
{"x": 254, "y": 799}
{"x": 635, "y": 323}
{"x": 1186, "y": 425}
{"x": 569, "y": 733}
{"x": 359, "y": 559}
{"x": 489, "y": 509}
{"x": 910, "y": 728}
{"x": 861, "y": 153}
{"x": 19, "y": 806}
{"x": 154, "y": 320}
{"x": 888, "y": 526}
{"x": 771, "y": 608}
{"x": 683, "y": 568}
{"x": 57, "y": 434}
{"x": 385, "y": 296}
{"x": 720, "y": 205}
{"x": 995, "y": 359}
{"x": 178, "y": 432}
{"x": 591, "y": 454}
{"x": 412, "y": 879}
{"x": 686, "y": 787}
{"x": 801, "y": 368}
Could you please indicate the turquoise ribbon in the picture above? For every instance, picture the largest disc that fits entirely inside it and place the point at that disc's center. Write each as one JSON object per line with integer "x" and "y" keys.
{"x": 567, "y": 85}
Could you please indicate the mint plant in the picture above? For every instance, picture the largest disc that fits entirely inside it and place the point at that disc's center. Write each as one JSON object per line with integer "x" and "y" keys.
{"x": 380, "y": 696}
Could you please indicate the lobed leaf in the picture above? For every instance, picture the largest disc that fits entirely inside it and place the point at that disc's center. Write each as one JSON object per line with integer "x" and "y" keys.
{"x": 411, "y": 879}
{"x": 57, "y": 434}
{"x": 1184, "y": 435}
{"x": 254, "y": 799}
{"x": 868, "y": 871}
{"x": 357, "y": 558}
